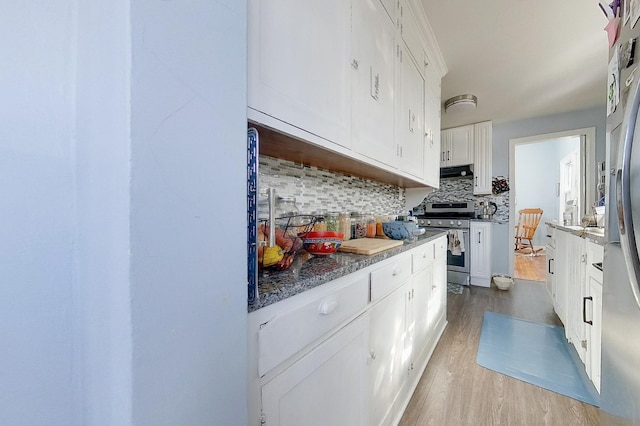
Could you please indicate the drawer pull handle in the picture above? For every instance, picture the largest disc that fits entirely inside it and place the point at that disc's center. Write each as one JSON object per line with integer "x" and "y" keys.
{"x": 424, "y": 255}
{"x": 396, "y": 271}
{"x": 327, "y": 306}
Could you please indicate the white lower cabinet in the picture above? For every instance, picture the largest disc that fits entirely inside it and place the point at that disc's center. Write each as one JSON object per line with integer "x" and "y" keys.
{"x": 576, "y": 263}
{"x": 592, "y": 314}
{"x": 551, "y": 270}
{"x": 342, "y": 362}
{"x": 480, "y": 248}
{"x": 387, "y": 342}
{"x": 306, "y": 393}
{"x": 577, "y": 297}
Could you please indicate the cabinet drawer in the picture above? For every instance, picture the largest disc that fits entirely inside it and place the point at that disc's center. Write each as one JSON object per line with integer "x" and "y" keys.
{"x": 391, "y": 276}
{"x": 290, "y": 331}
{"x": 422, "y": 257}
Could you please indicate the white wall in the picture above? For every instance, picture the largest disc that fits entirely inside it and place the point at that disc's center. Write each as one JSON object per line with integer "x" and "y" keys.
{"x": 188, "y": 213}
{"x": 502, "y": 132}
{"x": 102, "y": 328}
{"x": 122, "y": 176}
{"x": 36, "y": 213}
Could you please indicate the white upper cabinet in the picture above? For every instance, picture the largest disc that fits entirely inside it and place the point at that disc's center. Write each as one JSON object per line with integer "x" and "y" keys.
{"x": 410, "y": 117}
{"x": 457, "y": 146}
{"x": 482, "y": 164}
{"x": 391, "y": 7}
{"x": 432, "y": 127}
{"x": 412, "y": 35}
{"x": 348, "y": 77}
{"x": 373, "y": 82}
{"x": 300, "y": 64}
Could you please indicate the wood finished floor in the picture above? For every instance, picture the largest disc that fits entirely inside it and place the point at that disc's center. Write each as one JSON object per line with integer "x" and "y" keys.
{"x": 455, "y": 390}
{"x": 532, "y": 268}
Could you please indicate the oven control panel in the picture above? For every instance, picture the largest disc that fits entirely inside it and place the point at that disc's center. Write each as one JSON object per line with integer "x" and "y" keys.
{"x": 444, "y": 223}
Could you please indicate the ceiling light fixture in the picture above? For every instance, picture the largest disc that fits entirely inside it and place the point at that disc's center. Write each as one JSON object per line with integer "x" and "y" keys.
{"x": 461, "y": 103}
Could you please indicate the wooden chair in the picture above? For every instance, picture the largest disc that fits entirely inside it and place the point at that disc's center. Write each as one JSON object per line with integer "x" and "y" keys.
{"x": 528, "y": 221}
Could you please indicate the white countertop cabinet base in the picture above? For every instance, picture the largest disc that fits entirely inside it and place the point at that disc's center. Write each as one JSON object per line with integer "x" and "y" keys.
{"x": 353, "y": 349}
{"x": 306, "y": 393}
{"x": 577, "y": 296}
{"x": 480, "y": 262}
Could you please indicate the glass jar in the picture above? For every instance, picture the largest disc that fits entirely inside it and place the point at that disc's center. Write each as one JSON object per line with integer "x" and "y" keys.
{"x": 358, "y": 225}
{"x": 344, "y": 225}
{"x": 332, "y": 220}
{"x": 371, "y": 225}
{"x": 286, "y": 207}
{"x": 320, "y": 224}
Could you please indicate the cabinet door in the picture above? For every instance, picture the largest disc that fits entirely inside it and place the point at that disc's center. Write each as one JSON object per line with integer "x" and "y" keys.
{"x": 438, "y": 301}
{"x": 299, "y": 56}
{"x": 562, "y": 275}
{"x": 325, "y": 387}
{"x": 480, "y": 263}
{"x": 460, "y": 149}
{"x": 419, "y": 325}
{"x": 551, "y": 267}
{"x": 390, "y": 7}
{"x": 482, "y": 139}
{"x": 445, "y": 141}
{"x": 410, "y": 117}
{"x": 387, "y": 372}
{"x": 374, "y": 94}
{"x": 411, "y": 34}
{"x": 432, "y": 129}
{"x": 574, "y": 327}
{"x": 594, "y": 334}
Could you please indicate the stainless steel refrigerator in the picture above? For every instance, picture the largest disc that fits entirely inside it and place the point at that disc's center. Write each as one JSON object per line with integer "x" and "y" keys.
{"x": 620, "y": 376}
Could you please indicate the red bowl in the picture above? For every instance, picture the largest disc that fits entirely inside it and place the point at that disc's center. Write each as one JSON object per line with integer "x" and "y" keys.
{"x": 322, "y": 243}
{"x": 322, "y": 234}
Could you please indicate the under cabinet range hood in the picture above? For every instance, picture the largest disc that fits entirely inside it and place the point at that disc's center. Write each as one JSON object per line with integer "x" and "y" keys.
{"x": 456, "y": 172}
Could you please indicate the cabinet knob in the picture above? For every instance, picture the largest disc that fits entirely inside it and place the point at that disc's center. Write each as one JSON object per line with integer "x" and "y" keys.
{"x": 372, "y": 355}
{"x": 327, "y": 306}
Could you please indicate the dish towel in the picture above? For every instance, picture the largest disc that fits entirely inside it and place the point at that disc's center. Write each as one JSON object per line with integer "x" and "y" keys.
{"x": 456, "y": 242}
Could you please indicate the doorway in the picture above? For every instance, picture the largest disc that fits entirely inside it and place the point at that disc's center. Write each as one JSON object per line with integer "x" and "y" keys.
{"x": 549, "y": 172}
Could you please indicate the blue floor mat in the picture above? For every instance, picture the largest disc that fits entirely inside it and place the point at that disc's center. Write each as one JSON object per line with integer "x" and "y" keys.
{"x": 535, "y": 353}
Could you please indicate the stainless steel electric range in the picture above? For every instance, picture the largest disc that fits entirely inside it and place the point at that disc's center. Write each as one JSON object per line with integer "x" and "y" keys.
{"x": 453, "y": 218}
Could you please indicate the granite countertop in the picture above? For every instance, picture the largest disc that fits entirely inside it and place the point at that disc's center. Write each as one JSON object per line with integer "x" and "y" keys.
{"x": 594, "y": 234}
{"x": 486, "y": 220}
{"x": 308, "y": 271}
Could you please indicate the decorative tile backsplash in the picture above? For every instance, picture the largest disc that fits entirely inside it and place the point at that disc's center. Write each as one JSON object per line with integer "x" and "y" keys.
{"x": 461, "y": 189}
{"x": 321, "y": 190}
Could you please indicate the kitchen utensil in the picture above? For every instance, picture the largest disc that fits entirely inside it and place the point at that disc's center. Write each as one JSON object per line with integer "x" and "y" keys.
{"x": 368, "y": 245}
{"x": 322, "y": 243}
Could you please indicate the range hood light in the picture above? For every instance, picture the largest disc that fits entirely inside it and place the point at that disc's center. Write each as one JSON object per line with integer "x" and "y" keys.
{"x": 461, "y": 103}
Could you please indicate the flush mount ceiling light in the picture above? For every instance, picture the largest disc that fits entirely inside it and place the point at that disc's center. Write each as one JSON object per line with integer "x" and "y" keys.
{"x": 461, "y": 103}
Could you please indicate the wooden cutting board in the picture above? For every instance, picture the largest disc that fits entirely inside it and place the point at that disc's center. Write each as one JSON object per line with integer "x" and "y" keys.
{"x": 368, "y": 245}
